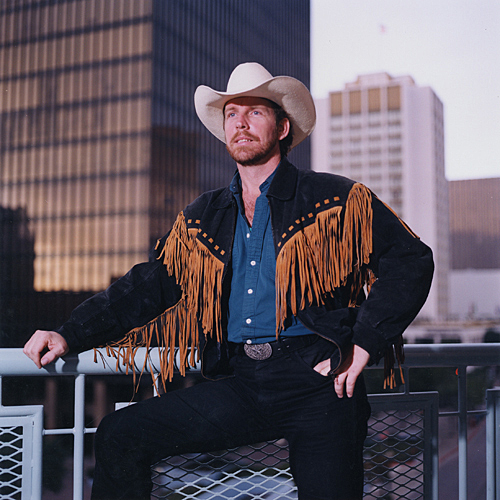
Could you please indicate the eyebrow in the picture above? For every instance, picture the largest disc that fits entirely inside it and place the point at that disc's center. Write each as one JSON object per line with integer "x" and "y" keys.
{"x": 233, "y": 106}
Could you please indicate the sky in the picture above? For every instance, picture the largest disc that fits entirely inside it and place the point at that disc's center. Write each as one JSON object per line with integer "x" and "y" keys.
{"x": 452, "y": 46}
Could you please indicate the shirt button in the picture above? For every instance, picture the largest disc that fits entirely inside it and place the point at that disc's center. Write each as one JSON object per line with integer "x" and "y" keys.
{"x": 249, "y": 341}
{"x": 248, "y": 321}
{"x": 253, "y": 263}
{"x": 248, "y": 235}
{"x": 250, "y": 291}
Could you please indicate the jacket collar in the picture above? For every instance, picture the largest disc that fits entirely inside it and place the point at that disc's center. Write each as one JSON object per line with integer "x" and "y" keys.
{"x": 285, "y": 181}
{"x": 282, "y": 186}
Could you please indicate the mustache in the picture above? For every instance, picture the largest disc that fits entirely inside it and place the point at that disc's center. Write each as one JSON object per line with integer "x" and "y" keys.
{"x": 242, "y": 135}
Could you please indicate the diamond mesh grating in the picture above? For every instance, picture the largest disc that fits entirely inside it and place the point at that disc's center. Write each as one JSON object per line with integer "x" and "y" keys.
{"x": 11, "y": 462}
{"x": 395, "y": 449}
{"x": 21, "y": 430}
{"x": 394, "y": 455}
{"x": 259, "y": 472}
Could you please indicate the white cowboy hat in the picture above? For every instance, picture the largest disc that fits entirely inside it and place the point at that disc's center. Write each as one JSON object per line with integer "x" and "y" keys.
{"x": 253, "y": 80}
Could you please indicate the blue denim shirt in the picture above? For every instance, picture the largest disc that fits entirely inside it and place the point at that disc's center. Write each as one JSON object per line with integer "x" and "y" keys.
{"x": 252, "y": 303}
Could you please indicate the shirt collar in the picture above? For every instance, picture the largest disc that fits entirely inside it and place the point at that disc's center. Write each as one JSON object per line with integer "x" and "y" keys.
{"x": 235, "y": 185}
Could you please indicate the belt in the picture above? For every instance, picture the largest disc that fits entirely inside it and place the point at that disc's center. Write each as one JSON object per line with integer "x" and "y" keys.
{"x": 276, "y": 348}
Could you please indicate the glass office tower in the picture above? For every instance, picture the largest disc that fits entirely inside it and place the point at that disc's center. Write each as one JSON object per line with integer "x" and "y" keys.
{"x": 100, "y": 145}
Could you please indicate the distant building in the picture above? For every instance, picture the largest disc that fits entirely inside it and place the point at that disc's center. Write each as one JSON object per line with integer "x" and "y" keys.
{"x": 475, "y": 224}
{"x": 16, "y": 272}
{"x": 99, "y": 140}
{"x": 387, "y": 132}
{"x": 475, "y": 248}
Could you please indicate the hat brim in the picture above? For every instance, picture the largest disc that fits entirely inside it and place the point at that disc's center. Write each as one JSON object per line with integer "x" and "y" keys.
{"x": 289, "y": 93}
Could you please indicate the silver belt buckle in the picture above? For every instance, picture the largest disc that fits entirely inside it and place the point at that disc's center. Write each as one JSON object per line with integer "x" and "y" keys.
{"x": 258, "y": 351}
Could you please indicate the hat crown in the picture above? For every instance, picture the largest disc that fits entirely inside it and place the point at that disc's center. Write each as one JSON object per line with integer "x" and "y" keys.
{"x": 253, "y": 80}
{"x": 247, "y": 76}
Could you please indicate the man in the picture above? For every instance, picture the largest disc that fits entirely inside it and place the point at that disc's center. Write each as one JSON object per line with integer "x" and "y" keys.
{"x": 266, "y": 278}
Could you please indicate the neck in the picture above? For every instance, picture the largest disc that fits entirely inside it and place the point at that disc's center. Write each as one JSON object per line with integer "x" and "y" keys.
{"x": 253, "y": 176}
{"x": 251, "y": 179}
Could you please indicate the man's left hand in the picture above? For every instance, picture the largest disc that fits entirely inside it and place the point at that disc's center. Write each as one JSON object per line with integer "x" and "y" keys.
{"x": 348, "y": 372}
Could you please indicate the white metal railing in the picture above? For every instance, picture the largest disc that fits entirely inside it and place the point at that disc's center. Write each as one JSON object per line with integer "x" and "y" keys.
{"x": 460, "y": 356}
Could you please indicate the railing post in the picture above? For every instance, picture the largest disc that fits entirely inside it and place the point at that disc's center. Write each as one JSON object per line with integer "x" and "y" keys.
{"x": 79, "y": 437}
{"x": 462, "y": 433}
{"x": 493, "y": 444}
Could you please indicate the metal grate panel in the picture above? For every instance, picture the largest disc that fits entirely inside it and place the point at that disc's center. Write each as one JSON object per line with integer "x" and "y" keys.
{"x": 401, "y": 447}
{"x": 259, "y": 471}
{"x": 400, "y": 460}
{"x": 20, "y": 452}
{"x": 493, "y": 444}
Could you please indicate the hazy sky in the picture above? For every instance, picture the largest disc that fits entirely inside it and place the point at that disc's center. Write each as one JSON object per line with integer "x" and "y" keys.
{"x": 453, "y": 46}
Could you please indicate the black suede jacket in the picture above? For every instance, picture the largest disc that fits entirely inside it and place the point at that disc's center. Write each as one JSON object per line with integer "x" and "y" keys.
{"x": 401, "y": 263}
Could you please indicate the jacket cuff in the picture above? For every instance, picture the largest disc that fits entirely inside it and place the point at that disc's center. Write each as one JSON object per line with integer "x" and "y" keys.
{"x": 74, "y": 344}
{"x": 369, "y": 340}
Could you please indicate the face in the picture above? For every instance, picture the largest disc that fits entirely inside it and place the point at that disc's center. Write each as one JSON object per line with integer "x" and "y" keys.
{"x": 252, "y": 137}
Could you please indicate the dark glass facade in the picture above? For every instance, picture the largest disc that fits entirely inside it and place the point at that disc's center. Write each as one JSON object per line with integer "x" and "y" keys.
{"x": 100, "y": 146}
{"x": 215, "y": 37}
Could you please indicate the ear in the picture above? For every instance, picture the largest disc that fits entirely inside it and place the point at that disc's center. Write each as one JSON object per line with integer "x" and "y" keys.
{"x": 284, "y": 128}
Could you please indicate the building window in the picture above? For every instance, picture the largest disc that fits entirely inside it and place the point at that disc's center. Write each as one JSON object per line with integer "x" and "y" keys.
{"x": 374, "y": 103}
{"x": 355, "y": 102}
{"x": 336, "y": 104}
{"x": 394, "y": 97}
{"x": 394, "y": 150}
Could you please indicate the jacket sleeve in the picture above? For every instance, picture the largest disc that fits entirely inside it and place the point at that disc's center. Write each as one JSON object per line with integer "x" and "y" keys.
{"x": 132, "y": 301}
{"x": 403, "y": 266}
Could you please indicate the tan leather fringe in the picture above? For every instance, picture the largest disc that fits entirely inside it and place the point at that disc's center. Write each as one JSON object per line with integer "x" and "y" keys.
{"x": 319, "y": 258}
{"x": 199, "y": 275}
{"x": 315, "y": 261}
{"x": 389, "y": 362}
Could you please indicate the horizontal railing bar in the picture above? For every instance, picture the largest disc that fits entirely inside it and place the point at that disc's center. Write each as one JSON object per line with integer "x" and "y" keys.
{"x": 69, "y": 431}
{"x": 452, "y": 355}
{"x": 58, "y": 432}
{"x": 456, "y": 413}
{"x": 14, "y": 362}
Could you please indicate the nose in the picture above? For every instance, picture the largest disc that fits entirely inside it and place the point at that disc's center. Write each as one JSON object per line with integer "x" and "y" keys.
{"x": 241, "y": 123}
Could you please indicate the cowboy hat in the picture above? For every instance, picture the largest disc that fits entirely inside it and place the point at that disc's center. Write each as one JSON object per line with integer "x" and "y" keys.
{"x": 253, "y": 80}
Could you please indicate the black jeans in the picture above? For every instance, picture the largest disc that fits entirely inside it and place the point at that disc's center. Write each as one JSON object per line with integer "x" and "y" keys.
{"x": 274, "y": 398}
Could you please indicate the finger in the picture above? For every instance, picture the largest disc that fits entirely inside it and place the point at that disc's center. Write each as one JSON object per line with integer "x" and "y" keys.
{"x": 323, "y": 368}
{"x": 35, "y": 358}
{"x": 35, "y": 346}
{"x": 49, "y": 357}
{"x": 350, "y": 384}
{"x": 338, "y": 385}
{"x": 33, "y": 353}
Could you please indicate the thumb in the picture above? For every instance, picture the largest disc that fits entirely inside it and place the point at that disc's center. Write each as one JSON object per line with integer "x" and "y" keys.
{"x": 50, "y": 356}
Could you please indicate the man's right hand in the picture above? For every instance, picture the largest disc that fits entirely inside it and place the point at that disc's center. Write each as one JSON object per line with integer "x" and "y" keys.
{"x": 44, "y": 347}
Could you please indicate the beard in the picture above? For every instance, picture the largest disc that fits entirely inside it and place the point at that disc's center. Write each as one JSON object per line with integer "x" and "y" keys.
{"x": 252, "y": 153}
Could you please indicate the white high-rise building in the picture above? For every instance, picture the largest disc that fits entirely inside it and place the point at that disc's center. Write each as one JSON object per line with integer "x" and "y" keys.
{"x": 387, "y": 133}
